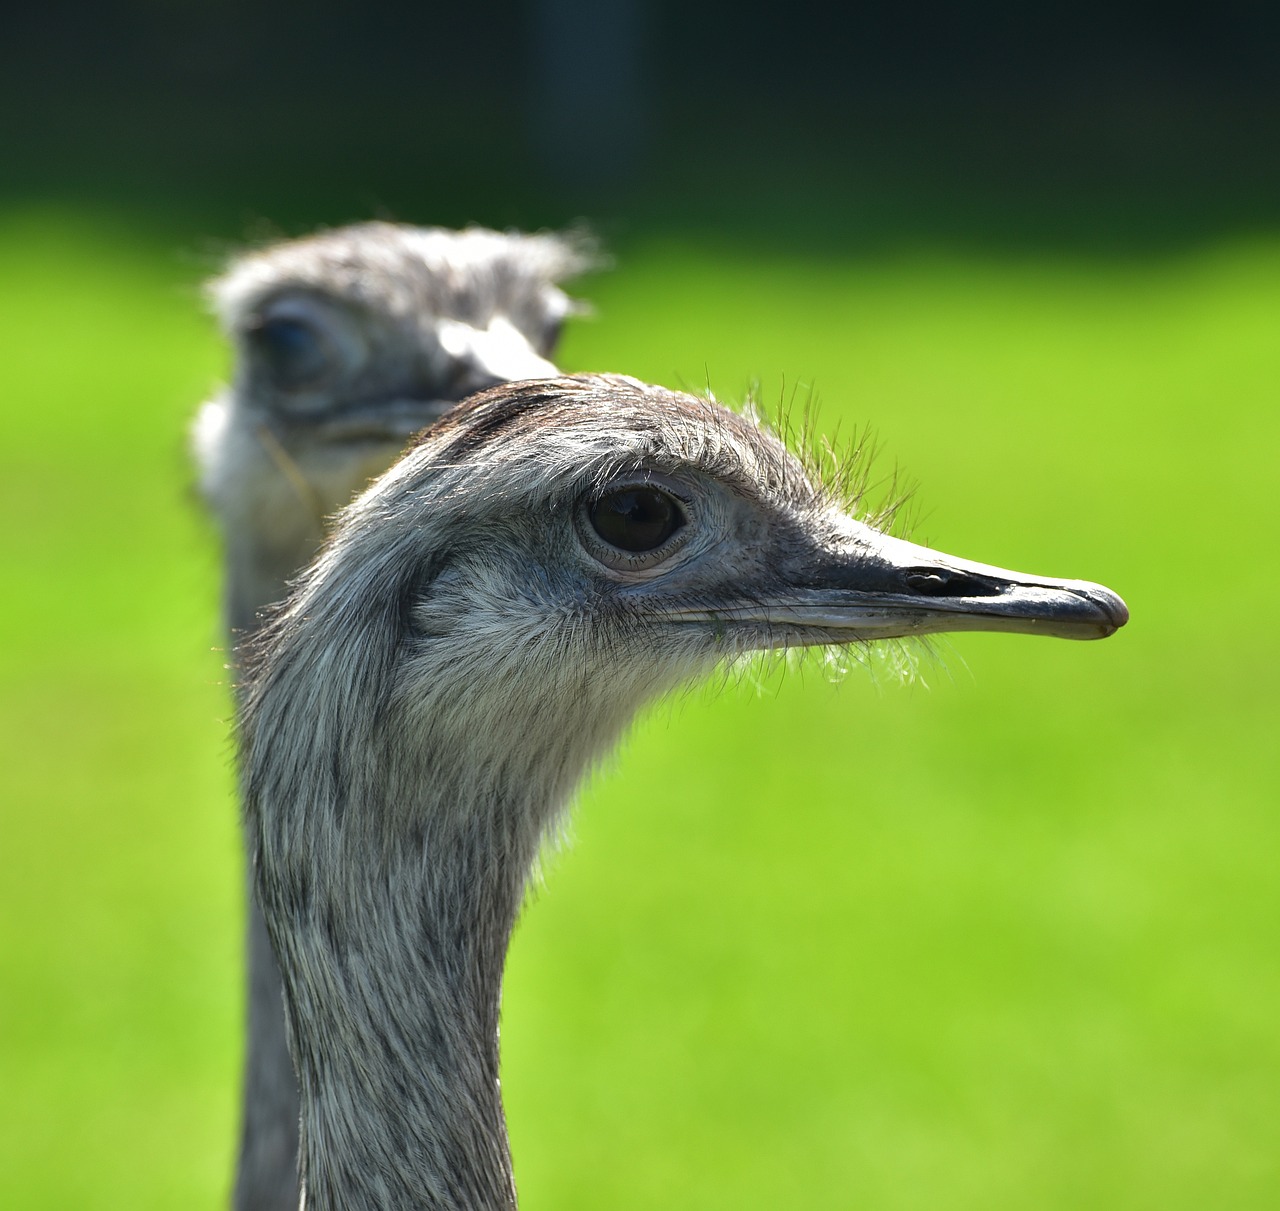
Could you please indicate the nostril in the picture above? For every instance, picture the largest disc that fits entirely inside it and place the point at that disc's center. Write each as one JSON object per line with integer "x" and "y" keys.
{"x": 942, "y": 582}
{"x": 931, "y": 584}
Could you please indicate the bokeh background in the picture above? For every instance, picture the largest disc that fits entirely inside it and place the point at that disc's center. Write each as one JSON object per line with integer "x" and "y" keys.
{"x": 1004, "y": 937}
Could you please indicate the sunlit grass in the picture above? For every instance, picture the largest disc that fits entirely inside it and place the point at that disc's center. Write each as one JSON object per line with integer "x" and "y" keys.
{"x": 1007, "y": 941}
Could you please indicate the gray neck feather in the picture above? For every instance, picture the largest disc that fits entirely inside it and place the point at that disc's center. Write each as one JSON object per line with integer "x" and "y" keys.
{"x": 391, "y": 860}
{"x": 397, "y": 976}
{"x": 267, "y": 1169}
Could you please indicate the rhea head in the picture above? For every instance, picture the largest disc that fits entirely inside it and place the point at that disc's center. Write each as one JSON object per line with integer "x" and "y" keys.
{"x": 552, "y": 555}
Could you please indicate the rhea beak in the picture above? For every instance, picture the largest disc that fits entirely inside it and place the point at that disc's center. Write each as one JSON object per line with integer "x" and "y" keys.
{"x": 477, "y": 358}
{"x": 881, "y": 587}
{"x": 878, "y": 587}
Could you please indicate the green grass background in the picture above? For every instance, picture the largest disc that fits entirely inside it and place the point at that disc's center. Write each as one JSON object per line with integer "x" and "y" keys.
{"x": 1004, "y": 939}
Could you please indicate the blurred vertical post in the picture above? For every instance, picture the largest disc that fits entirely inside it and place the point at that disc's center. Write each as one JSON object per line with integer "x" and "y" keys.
{"x": 590, "y": 112}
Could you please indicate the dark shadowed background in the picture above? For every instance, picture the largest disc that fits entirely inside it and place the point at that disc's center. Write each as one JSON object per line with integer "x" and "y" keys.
{"x": 1004, "y": 939}
{"x": 524, "y": 113}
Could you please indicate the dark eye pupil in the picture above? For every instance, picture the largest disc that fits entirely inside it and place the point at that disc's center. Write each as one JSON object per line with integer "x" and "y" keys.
{"x": 293, "y": 350}
{"x": 636, "y": 519}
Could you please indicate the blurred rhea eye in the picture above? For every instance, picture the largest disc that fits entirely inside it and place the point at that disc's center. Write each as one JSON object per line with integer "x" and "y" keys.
{"x": 638, "y": 519}
{"x": 294, "y": 351}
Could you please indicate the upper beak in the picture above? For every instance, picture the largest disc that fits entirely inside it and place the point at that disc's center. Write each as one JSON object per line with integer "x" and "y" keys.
{"x": 878, "y": 587}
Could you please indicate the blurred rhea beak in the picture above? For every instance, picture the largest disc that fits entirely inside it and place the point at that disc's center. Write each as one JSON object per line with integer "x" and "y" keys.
{"x": 476, "y": 358}
{"x": 485, "y": 357}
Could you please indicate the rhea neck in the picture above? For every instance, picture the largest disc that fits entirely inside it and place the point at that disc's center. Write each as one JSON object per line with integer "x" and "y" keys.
{"x": 262, "y": 558}
{"x": 391, "y": 883}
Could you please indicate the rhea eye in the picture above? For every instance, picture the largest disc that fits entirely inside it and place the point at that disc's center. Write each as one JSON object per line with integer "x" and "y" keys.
{"x": 295, "y": 352}
{"x": 636, "y": 519}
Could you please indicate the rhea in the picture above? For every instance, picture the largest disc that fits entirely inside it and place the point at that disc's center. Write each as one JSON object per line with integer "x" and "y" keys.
{"x": 483, "y": 625}
{"x": 346, "y": 343}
